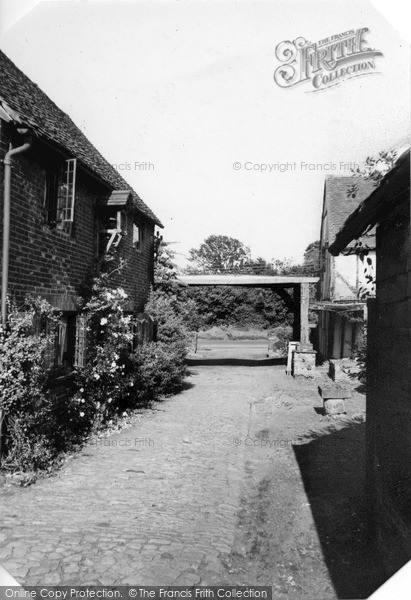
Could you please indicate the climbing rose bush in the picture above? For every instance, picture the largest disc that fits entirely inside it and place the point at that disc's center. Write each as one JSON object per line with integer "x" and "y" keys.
{"x": 116, "y": 376}
{"x": 102, "y": 385}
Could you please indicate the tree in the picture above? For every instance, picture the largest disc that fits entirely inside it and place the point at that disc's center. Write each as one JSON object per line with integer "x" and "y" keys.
{"x": 169, "y": 291}
{"x": 165, "y": 271}
{"x": 312, "y": 257}
{"x": 219, "y": 254}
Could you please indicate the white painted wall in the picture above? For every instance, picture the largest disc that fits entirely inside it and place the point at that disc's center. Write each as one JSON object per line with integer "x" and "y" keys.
{"x": 350, "y": 276}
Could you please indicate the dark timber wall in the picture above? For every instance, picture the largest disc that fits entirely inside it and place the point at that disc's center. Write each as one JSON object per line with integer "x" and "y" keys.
{"x": 388, "y": 391}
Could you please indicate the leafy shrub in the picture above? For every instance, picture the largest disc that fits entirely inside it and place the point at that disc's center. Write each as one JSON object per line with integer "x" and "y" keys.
{"x": 23, "y": 347}
{"x": 159, "y": 369}
{"x": 164, "y": 361}
{"x": 166, "y": 312}
{"x": 36, "y": 425}
{"x": 27, "y": 449}
{"x": 280, "y": 337}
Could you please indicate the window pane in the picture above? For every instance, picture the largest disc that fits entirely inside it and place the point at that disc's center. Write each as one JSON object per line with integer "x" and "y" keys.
{"x": 66, "y": 192}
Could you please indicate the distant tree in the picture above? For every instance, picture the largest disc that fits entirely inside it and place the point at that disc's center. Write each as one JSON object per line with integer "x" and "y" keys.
{"x": 312, "y": 257}
{"x": 238, "y": 306}
{"x": 169, "y": 291}
{"x": 219, "y": 254}
{"x": 260, "y": 266}
{"x": 286, "y": 267}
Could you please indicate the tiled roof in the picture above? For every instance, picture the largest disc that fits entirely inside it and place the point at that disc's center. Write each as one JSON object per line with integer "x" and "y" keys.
{"x": 340, "y": 206}
{"x": 35, "y": 109}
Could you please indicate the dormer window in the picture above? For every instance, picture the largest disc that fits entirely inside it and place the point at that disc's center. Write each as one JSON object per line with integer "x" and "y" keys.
{"x": 60, "y": 195}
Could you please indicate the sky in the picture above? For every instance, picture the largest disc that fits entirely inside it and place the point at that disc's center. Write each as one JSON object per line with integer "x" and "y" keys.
{"x": 175, "y": 93}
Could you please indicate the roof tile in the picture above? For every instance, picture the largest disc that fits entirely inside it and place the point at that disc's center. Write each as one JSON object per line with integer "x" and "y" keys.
{"x": 340, "y": 205}
{"x": 38, "y": 111}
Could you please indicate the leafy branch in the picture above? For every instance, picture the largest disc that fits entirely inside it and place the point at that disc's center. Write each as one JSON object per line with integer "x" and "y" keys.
{"x": 375, "y": 168}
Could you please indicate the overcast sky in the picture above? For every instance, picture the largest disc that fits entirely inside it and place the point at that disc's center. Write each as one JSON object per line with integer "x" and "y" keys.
{"x": 188, "y": 87}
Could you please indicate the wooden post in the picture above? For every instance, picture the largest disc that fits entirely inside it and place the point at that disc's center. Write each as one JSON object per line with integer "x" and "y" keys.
{"x": 1, "y": 435}
{"x": 304, "y": 328}
{"x": 297, "y": 313}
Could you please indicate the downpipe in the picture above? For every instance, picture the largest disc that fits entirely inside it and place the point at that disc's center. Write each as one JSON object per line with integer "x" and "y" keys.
{"x": 6, "y": 224}
{"x": 6, "y": 243}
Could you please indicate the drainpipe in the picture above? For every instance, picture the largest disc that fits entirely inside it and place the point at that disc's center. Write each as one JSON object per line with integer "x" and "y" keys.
{"x": 6, "y": 223}
{"x": 6, "y": 241}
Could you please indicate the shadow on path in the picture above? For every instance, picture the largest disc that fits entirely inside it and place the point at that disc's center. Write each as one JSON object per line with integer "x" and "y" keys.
{"x": 240, "y": 362}
{"x": 332, "y": 466}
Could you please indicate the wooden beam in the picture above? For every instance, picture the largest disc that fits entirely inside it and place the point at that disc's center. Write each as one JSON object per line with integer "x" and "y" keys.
{"x": 288, "y": 300}
{"x": 246, "y": 280}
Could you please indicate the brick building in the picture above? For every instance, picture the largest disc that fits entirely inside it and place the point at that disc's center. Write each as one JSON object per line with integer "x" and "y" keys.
{"x": 343, "y": 278}
{"x": 389, "y": 360}
{"x": 68, "y": 206}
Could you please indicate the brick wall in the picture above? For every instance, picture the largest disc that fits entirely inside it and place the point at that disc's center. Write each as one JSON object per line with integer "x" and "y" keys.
{"x": 52, "y": 263}
{"x": 389, "y": 398}
{"x": 137, "y": 274}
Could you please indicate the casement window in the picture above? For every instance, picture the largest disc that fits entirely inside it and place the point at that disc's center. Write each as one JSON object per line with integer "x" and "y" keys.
{"x": 61, "y": 350}
{"x": 137, "y": 236}
{"x": 60, "y": 195}
{"x": 112, "y": 225}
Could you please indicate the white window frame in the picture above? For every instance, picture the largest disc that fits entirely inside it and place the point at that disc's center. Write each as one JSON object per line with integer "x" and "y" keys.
{"x": 66, "y": 194}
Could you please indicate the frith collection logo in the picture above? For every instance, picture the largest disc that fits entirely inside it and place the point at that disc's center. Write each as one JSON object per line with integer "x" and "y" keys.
{"x": 325, "y": 63}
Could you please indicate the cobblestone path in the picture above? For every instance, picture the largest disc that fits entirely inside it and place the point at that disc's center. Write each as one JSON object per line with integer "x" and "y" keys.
{"x": 180, "y": 498}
